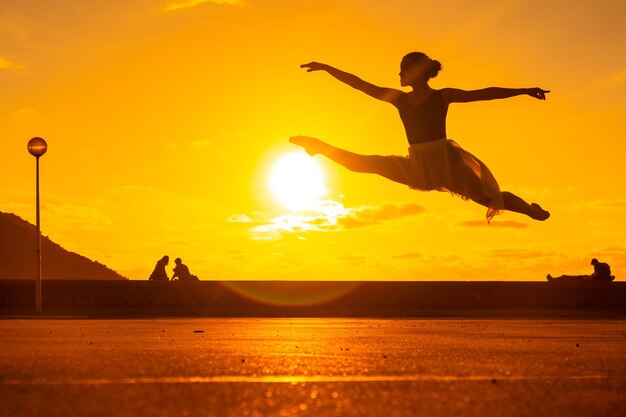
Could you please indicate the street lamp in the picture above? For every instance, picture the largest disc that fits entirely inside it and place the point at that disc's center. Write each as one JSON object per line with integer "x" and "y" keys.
{"x": 37, "y": 147}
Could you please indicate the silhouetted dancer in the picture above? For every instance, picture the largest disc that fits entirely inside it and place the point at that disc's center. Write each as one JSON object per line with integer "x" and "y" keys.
{"x": 601, "y": 272}
{"x": 181, "y": 271}
{"x": 434, "y": 161}
{"x": 159, "y": 273}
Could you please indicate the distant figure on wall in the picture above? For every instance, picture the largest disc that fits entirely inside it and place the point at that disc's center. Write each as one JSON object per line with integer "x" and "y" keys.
{"x": 434, "y": 161}
{"x": 181, "y": 271}
{"x": 601, "y": 272}
{"x": 159, "y": 273}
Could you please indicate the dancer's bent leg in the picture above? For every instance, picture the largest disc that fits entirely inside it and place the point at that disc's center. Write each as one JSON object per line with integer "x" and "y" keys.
{"x": 390, "y": 167}
{"x": 518, "y": 205}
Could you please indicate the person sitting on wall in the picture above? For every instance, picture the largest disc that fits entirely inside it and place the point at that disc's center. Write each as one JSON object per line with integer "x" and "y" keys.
{"x": 159, "y": 273}
{"x": 181, "y": 271}
{"x": 601, "y": 272}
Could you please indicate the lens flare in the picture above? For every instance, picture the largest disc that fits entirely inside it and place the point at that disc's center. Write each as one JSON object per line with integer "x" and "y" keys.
{"x": 292, "y": 293}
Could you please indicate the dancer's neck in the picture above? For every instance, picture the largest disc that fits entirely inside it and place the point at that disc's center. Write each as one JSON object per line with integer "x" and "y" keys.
{"x": 421, "y": 88}
{"x": 420, "y": 91}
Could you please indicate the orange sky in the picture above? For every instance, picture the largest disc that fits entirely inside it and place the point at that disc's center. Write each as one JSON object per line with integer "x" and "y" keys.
{"x": 164, "y": 118}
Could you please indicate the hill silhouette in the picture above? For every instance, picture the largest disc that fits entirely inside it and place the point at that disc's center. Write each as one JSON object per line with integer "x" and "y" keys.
{"x": 18, "y": 255}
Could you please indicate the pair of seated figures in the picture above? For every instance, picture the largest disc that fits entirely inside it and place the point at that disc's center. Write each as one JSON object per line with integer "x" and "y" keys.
{"x": 181, "y": 271}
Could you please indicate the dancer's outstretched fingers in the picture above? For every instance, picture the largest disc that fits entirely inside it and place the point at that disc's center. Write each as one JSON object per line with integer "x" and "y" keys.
{"x": 313, "y": 66}
{"x": 538, "y": 93}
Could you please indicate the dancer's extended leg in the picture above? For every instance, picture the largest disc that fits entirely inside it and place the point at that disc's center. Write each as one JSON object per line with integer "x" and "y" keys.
{"x": 391, "y": 167}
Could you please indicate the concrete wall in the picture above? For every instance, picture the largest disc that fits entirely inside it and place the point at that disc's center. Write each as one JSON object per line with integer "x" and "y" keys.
{"x": 214, "y": 298}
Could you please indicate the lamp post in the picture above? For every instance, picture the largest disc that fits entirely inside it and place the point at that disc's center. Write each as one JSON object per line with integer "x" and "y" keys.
{"x": 37, "y": 147}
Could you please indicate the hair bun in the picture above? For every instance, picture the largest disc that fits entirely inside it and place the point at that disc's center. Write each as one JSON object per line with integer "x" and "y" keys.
{"x": 434, "y": 68}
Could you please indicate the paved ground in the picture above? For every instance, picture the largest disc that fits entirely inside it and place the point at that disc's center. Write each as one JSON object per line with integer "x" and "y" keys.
{"x": 312, "y": 367}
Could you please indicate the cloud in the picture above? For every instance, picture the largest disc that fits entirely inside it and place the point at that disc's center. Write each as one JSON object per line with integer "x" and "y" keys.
{"x": 200, "y": 143}
{"x": 407, "y": 255}
{"x": 6, "y": 64}
{"x": 520, "y": 253}
{"x": 332, "y": 216}
{"x": 73, "y": 218}
{"x": 185, "y": 4}
{"x": 353, "y": 259}
{"x": 293, "y": 223}
{"x": 239, "y": 218}
{"x": 133, "y": 188}
{"x": 603, "y": 82}
{"x": 24, "y": 113}
{"x": 368, "y": 215}
{"x": 611, "y": 250}
{"x": 601, "y": 204}
{"x": 511, "y": 224}
{"x": 178, "y": 242}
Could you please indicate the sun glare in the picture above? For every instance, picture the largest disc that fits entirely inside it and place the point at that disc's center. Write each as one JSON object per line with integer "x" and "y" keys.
{"x": 297, "y": 181}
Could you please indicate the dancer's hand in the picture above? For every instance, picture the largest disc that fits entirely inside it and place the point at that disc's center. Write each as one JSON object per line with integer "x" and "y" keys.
{"x": 537, "y": 93}
{"x": 314, "y": 66}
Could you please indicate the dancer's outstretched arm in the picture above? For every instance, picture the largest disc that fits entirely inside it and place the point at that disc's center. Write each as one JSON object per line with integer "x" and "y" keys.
{"x": 455, "y": 95}
{"x": 389, "y": 95}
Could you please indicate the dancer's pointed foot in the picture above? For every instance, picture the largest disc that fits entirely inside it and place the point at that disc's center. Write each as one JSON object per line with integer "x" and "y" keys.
{"x": 312, "y": 146}
{"x": 539, "y": 213}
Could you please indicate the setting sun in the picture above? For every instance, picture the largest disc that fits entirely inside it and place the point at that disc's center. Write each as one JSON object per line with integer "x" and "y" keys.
{"x": 297, "y": 181}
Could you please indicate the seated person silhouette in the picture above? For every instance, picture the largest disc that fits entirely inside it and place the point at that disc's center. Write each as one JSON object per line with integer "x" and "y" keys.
{"x": 159, "y": 273}
{"x": 181, "y": 271}
{"x": 601, "y": 272}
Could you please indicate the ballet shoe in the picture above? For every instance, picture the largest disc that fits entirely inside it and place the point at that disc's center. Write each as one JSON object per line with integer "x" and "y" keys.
{"x": 541, "y": 214}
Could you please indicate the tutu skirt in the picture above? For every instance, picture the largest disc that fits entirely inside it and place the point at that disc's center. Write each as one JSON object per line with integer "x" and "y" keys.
{"x": 443, "y": 165}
